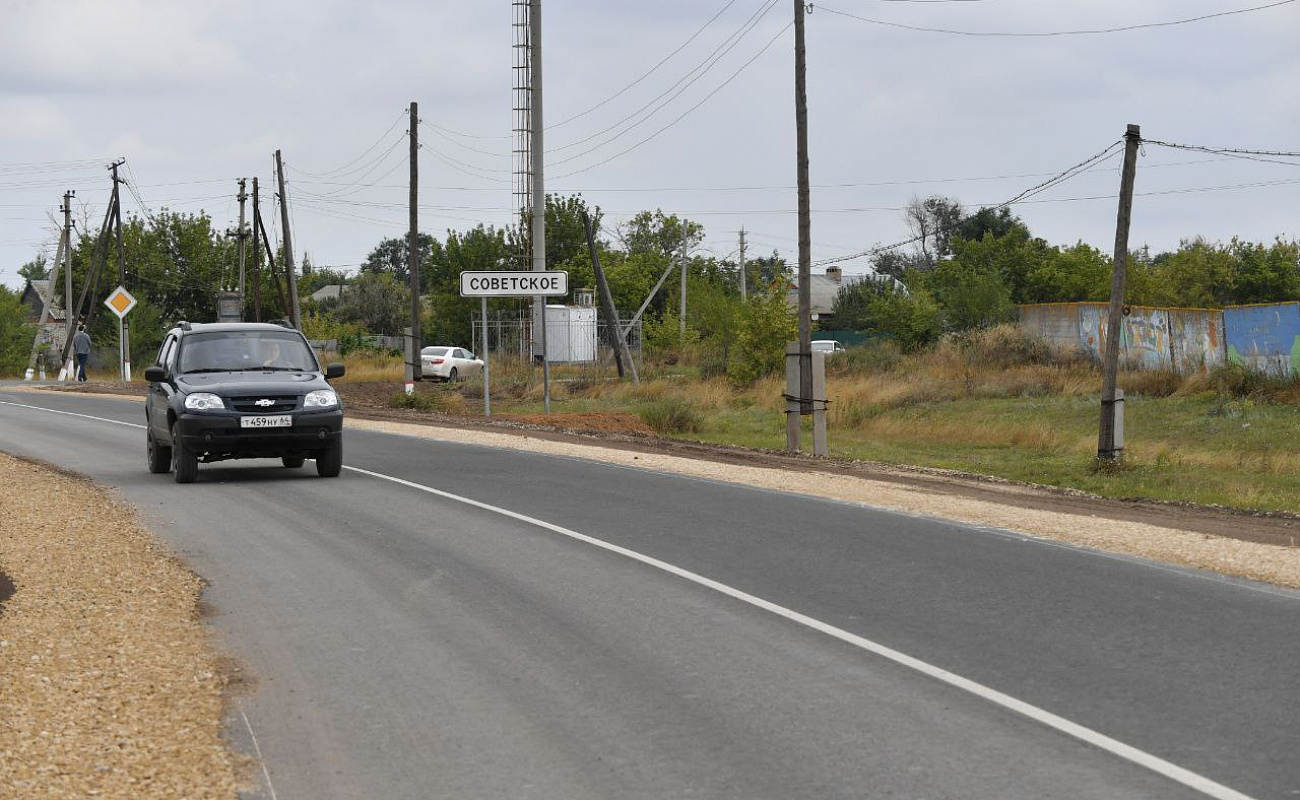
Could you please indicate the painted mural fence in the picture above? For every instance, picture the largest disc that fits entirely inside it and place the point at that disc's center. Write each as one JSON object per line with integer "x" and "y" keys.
{"x": 1264, "y": 337}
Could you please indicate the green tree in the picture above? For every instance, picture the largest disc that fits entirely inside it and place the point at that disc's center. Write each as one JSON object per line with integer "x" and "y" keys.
{"x": 391, "y": 256}
{"x": 34, "y": 270}
{"x": 15, "y": 334}
{"x": 766, "y": 324}
{"x": 378, "y": 302}
{"x": 911, "y": 318}
{"x": 1265, "y": 274}
{"x": 664, "y": 234}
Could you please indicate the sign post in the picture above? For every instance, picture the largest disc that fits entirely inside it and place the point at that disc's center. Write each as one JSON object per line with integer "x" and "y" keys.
{"x": 551, "y": 283}
{"x": 120, "y": 302}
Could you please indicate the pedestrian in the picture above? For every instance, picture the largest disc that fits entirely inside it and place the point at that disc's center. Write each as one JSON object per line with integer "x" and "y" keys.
{"x": 81, "y": 348}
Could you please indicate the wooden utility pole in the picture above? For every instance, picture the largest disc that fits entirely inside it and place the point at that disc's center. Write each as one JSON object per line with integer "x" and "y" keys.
{"x": 681, "y": 312}
{"x": 413, "y": 244}
{"x": 744, "y": 278}
{"x": 124, "y": 326}
{"x": 243, "y": 234}
{"x": 805, "y": 213}
{"x": 69, "y": 318}
{"x": 98, "y": 259}
{"x": 538, "y": 156}
{"x": 613, "y": 330}
{"x": 1110, "y": 443}
{"x": 257, "y": 259}
{"x": 270, "y": 265}
{"x": 294, "y": 316}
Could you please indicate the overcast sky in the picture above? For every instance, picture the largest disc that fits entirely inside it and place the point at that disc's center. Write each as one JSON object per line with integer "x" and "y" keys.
{"x": 196, "y": 95}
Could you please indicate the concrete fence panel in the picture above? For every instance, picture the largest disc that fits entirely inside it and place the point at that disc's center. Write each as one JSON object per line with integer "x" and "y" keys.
{"x": 1196, "y": 339}
{"x": 1144, "y": 341}
{"x": 1264, "y": 337}
{"x": 1058, "y": 323}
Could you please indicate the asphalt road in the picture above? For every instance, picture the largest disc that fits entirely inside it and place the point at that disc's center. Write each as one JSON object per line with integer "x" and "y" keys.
{"x": 708, "y": 640}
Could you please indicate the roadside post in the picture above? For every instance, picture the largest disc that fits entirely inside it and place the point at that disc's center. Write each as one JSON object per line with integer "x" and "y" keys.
{"x": 120, "y": 302}
{"x": 797, "y": 406}
{"x": 551, "y": 283}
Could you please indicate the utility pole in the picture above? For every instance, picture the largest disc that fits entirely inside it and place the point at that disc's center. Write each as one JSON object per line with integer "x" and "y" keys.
{"x": 1110, "y": 438}
{"x": 538, "y": 172}
{"x": 47, "y": 302}
{"x": 243, "y": 234}
{"x": 613, "y": 331}
{"x": 805, "y": 213}
{"x": 123, "y": 325}
{"x": 69, "y": 318}
{"x": 681, "y": 313}
{"x": 294, "y": 316}
{"x": 744, "y": 278}
{"x": 257, "y": 258}
{"x": 413, "y": 245}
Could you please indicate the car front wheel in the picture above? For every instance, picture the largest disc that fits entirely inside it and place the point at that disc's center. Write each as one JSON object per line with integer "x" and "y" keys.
{"x": 184, "y": 460}
{"x": 329, "y": 462}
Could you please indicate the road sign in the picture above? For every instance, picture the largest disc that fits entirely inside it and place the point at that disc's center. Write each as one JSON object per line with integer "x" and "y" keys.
{"x": 120, "y": 301}
{"x": 514, "y": 284}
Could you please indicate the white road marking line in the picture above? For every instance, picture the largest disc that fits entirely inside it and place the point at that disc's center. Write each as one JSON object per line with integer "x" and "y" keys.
{"x": 72, "y": 414}
{"x": 1115, "y": 747}
{"x": 257, "y": 748}
{"x": 1099, "y": 740}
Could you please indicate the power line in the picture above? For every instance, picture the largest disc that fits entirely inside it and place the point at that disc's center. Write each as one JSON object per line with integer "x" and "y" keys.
{"x": 684, "y": 114}
{"x": 1061, "y": 177}
{"x": 676, "y": 90}
{"x": 364, "y": 153}
{"x": 648, "y": 73}
{"x": 1040, "y": 34}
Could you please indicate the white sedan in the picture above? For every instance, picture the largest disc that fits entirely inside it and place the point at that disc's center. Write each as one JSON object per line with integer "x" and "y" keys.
{"x": 448, "y": 363}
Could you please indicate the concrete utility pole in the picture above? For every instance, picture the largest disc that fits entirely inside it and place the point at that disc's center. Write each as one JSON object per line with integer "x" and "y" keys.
{"x": 243, "y": 234}
{"x": 413, "y": 244}
{"x": 257, "y": 259}
{"x": 744, "y": 279}
{"x": 294, "y": 316}
{"x": 538, "y": 171}
{"x": 805, "y": 213}
{"x": 1110, "y": 438}
{"x": 123, "y": 325}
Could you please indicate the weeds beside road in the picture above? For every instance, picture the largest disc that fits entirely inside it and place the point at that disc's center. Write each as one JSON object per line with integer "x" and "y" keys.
{"x": 994, "y": 402}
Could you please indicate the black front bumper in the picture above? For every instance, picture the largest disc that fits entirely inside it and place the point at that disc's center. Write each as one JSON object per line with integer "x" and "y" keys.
{"x": 218, "y": 436}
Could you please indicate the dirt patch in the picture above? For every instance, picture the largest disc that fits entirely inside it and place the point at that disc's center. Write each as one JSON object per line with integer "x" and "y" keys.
{"x": 112, "y": 687}
{"x": 600, "y": 423}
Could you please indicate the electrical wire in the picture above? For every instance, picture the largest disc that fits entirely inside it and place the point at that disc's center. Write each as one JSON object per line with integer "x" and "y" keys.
{"x": 676, "y": 90}
{"x": 649, "y": 72}
{"x": 1041, "y": 34}
{"x": 364, "y": 153}
{"x": 1060, "y": 178}
{"x": 684, "y": 114}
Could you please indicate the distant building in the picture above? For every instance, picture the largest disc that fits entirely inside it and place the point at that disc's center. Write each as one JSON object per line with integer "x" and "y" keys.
{"x": 824, "y": 288}
{"x": 332, "y": 291}
{"x": 33, "y": 297}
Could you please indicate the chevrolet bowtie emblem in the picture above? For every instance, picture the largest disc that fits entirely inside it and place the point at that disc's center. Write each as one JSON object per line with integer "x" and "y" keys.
{"x": 264, "y": 402}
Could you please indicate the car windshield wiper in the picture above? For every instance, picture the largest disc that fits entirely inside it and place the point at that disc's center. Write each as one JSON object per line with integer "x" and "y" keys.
{"x": 278, "y": 369}
{"x": 209, "y": 369}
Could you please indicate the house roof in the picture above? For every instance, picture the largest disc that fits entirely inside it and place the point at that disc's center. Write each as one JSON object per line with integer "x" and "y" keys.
{"x": 332, "y": 291}
{"x": 34, "y": 294}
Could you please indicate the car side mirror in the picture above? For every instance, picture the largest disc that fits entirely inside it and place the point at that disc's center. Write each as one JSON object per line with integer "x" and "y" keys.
{"x": 155, "y": 374}
{"x": 334, "y": 370}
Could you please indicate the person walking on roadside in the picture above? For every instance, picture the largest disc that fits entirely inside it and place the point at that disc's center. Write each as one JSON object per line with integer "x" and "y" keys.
{"x": 81, "y": 348}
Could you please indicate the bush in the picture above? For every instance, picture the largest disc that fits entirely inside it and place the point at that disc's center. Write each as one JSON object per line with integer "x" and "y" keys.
{"x": 913, "y": 320}
{"x": 672, "y": 415}
{"x": 766, "y": 325}
{"x": 439, "y": 401}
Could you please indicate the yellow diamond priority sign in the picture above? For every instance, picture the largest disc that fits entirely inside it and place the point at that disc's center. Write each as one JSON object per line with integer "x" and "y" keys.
{"x": 120, "y": 301}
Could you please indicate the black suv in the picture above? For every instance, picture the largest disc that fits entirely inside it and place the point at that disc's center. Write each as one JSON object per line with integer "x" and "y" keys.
{"x": 241, "y": 390}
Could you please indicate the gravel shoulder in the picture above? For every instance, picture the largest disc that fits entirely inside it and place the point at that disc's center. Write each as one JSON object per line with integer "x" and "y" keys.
{"x": 112, "y": 687}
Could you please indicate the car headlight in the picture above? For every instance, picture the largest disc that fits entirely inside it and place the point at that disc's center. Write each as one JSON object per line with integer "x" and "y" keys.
{"x": 203, "y": 401}
{"x": 321, "y": 398}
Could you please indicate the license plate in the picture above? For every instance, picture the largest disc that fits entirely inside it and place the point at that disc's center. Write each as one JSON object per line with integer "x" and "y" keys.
{"x": 271, "y": 421}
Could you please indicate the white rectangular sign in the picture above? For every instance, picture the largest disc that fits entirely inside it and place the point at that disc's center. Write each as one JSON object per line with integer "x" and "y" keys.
{"x": 514, "y": 284}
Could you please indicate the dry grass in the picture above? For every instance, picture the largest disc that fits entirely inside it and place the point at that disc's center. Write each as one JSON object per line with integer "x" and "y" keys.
{"x": 371, "y": 366}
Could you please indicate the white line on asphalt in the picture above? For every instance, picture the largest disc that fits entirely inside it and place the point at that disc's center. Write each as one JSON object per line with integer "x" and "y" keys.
{"x": 1143, "y": 759}
{"x": 72, "y": 414}
{"x": 1099, "y": 740}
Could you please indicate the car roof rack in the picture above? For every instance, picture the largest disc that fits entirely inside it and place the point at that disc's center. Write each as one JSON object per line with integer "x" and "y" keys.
{"x": 183, "y": 325}
{"x": 283, "y": 323}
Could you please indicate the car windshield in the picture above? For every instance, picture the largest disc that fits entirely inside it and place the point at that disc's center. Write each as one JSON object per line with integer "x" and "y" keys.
{"x": 435, "y": 351}
{"x": 246, "y": 351}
